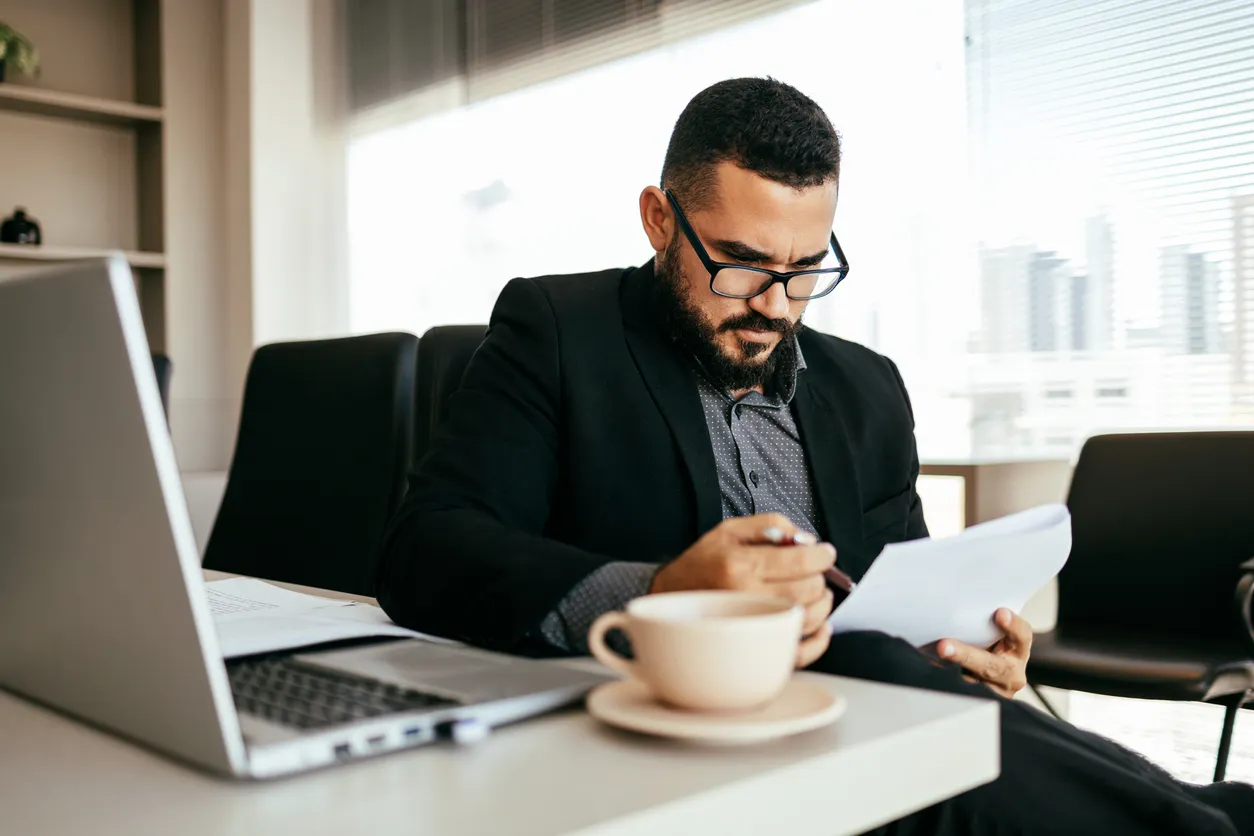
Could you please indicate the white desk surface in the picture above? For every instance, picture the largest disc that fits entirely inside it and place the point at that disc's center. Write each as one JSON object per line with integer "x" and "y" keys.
{"x": 896, "y": 750}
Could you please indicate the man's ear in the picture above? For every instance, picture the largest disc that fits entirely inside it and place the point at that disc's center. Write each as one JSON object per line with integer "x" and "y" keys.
{"x": 657, "y": 218}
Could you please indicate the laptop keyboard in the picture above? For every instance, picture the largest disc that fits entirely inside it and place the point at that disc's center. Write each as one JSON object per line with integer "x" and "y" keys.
{"x": 305, "y": 697}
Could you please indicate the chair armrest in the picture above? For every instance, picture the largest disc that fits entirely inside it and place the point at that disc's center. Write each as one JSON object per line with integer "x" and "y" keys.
{"x": 1242, "y": 599}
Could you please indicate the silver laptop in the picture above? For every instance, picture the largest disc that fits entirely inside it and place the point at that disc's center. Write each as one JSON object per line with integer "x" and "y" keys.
{"x": 103, "y": 610}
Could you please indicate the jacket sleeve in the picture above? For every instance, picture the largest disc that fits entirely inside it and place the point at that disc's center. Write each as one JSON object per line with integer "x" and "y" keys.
{"x": 916, "y": 527}
{"x": 465, "y": 556}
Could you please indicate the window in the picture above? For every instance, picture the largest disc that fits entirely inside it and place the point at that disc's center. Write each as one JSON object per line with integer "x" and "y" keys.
{"x": 1113, "y": 170}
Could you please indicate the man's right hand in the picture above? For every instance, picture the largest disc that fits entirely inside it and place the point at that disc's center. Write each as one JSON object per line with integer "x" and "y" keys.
{"x": 738, "y": 555}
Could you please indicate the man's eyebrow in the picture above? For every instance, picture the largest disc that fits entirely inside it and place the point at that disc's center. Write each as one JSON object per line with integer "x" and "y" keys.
{"x": 745, "y": 254}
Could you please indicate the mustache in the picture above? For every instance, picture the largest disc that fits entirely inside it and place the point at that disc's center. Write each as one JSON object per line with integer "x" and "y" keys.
{"x": 757, "y": 322}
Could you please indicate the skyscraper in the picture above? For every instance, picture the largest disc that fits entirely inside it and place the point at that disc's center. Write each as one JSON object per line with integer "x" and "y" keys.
{"x": 1050, "y": 313}
{"x": 1190, "y": 301}
{"x": 1243, "y": 296}
{"x": 1082, "y": 324}
{"x": 1099, "y": 293}
{"x": 1004, "y": 299}
{"x": 1032, "y": 301}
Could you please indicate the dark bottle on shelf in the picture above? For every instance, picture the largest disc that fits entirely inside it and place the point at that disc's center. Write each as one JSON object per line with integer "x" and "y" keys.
{"x": 20, "y": 229}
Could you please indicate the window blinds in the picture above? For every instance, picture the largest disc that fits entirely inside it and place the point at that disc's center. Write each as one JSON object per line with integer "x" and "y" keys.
{"x": 1156, "y": 98}
{"x": 402, "y": 49}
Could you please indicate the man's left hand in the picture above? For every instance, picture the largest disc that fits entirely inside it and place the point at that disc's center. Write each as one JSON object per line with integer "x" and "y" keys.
{"x": 1004, "y": 666}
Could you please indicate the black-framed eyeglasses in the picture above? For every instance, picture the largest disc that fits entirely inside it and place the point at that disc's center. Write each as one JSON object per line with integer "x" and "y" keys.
{"x": 737, "y": 281}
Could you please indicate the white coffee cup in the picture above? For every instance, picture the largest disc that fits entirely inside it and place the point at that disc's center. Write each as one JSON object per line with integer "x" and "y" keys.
{"x": 706, "y": 651}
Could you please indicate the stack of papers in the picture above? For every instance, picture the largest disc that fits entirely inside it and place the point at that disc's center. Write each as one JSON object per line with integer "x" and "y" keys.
{"x": 927, "y": 590}
{"x": 253, "y": 616}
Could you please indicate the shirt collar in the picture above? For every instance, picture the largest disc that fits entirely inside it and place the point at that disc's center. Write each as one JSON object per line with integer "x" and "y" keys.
{"x": 786, "y": 374}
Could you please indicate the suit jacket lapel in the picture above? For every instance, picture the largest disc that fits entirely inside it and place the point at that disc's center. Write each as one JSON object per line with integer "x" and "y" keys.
{"x": 825, "y": 436}
{"x": 673, "y": 386}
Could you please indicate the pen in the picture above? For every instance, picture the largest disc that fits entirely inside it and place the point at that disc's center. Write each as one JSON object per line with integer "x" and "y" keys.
{"x": 804, "y": 538}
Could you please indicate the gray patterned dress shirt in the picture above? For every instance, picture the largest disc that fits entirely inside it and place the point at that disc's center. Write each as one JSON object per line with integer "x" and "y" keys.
{"x": 762, "y": 468}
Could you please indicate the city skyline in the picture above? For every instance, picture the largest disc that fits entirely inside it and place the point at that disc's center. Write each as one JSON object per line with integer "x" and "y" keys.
{"x": 1051, "y": 365}
{"x": 1033, "y": 298}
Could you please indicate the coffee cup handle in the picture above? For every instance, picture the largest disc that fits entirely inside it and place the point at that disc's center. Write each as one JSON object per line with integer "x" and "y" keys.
{"x": 596, "y": 642}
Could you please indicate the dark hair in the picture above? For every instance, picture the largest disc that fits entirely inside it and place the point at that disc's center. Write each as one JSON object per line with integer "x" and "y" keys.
{"x": 760, "y": 124}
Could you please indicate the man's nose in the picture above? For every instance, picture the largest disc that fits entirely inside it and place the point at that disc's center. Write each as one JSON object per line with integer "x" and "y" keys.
{"x": 773, "y": 304}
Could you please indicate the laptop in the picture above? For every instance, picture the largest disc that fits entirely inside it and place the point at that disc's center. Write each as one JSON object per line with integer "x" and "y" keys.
{"x": 103, "y": 610}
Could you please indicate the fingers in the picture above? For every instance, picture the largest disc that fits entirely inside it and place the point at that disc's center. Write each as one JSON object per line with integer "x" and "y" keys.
{"x": 812, "y": 647}
{"x": 1018, "y": 631}
{"x": 1004, "y": 674}
{"x": 816, "y": 613}
{"x": 780, "y": 563}
{"x": 805, "y": 591}
{"x": 984, "y": 665}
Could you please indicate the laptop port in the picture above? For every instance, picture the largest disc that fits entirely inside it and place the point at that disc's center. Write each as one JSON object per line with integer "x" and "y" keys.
{"x": 343, "y": 751}
{"x": 412, "y": 734}
{"x": 376, "y": 741}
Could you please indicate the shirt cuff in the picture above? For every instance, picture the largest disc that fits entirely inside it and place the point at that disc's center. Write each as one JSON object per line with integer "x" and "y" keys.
{"x": 608, "y": 588}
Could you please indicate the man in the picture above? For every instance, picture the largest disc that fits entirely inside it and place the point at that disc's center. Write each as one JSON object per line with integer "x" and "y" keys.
{"x": 675, "y": 426}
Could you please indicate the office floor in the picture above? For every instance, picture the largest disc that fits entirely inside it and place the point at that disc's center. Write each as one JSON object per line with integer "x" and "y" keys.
{"x": 1180, "y": 737}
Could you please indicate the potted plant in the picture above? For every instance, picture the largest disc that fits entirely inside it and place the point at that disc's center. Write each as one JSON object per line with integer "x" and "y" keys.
{"x": 17, "y": 52}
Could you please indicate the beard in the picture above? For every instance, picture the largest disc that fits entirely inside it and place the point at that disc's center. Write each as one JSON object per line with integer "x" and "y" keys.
{"x": 693, "y": 332}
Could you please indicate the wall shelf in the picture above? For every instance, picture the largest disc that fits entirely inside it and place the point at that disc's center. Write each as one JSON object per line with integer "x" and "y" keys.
{"x": 33, "y": 100}
{"x": 26, "y": 252}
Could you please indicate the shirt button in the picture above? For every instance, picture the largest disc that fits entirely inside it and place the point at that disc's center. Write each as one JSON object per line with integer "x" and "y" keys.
{"x": 753, "y": 477}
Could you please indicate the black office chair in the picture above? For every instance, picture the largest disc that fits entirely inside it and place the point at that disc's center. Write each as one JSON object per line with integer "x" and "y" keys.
{"x": 163, "y": 369}
{"x": 325, "y": 438}
{"x": 443, "y": 355}
{"x": 1163, "y": 533}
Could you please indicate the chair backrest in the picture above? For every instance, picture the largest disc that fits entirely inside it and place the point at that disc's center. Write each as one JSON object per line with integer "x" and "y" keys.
{"x": 442, "y": 359}
{"x": 325, "y": 439}
{"x": 163, "y": 369}
{"x": 1161, "y": 522}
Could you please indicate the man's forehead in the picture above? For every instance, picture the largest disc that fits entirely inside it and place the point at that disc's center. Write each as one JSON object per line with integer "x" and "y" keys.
{"x": 769, "y": 221}
{"x": 739, "y": 193}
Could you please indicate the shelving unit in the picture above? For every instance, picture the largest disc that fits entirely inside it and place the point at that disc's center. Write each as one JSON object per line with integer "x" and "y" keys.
{"x": 84, "y": 144}
{"x": 56, "y": 104}
{"x": 26, "y": 252}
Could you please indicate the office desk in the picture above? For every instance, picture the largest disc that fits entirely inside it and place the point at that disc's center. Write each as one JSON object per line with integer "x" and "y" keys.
{"x": 896, "y": 750}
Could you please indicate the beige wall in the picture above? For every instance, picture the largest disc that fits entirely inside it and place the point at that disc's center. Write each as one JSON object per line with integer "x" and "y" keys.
{"x": 293, "y": 149}
{"x": 255, "y": 193}
{"x": 208, "y": 331}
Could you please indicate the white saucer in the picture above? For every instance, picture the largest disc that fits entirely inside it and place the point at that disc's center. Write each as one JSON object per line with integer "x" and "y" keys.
{"x": 802, "y": 706}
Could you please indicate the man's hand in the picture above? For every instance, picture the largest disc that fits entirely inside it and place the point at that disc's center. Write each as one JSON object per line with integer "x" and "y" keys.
{"x": 737, "y": 555}
{"x": 1004, "y": 666}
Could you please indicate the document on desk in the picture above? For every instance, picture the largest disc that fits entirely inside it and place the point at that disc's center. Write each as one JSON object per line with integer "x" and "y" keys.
{"x": 926, "y": 590}
{"x": 253, "y": 616}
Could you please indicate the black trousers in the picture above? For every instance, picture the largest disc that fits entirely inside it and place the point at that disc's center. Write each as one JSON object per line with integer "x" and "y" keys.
{"x": 1055, "y": 778}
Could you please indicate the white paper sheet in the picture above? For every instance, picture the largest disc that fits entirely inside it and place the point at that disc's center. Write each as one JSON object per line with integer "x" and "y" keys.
{"x": 926, "y": 590}
{"x": 232, "y": 599}
{"x": 253, "y": 616}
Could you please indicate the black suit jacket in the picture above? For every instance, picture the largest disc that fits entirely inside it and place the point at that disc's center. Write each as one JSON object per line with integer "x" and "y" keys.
{"x": 577, "y": 438}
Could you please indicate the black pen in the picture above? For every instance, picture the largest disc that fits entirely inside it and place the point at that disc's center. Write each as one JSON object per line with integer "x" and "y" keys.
{"x": 804, "y": 538}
